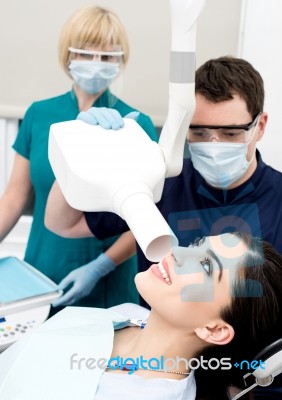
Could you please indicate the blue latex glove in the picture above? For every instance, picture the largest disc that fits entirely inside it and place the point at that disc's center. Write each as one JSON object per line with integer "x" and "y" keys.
{"x": 107, "y": 118}
{"x": 84, "y": 279}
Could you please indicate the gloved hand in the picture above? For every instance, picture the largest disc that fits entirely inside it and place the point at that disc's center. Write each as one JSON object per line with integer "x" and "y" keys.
{"x": 107, "y": 118}
{"x": 84, "y": 280}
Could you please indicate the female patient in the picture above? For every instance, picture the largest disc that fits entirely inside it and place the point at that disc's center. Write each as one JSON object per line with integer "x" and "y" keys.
{"x": 223, "y": 290}
{"x": 219, "y": 295}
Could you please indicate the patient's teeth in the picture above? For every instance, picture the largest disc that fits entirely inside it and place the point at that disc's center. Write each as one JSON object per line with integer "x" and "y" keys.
{"x": 164, "y": 274}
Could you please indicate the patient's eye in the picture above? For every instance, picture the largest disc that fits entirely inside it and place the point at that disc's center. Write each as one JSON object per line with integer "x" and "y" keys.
{"x": 207, "y": 265}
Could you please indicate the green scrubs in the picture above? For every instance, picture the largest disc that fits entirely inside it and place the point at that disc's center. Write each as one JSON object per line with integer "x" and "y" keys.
{"x": 50, "y": 253}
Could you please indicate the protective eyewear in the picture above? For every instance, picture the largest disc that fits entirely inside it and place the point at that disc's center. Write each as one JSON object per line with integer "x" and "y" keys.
{"x": 95, "y": 55}
{"x": 222, "y": 133}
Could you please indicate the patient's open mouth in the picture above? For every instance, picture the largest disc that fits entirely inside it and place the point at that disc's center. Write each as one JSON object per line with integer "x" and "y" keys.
{"x": 164, "y": 273}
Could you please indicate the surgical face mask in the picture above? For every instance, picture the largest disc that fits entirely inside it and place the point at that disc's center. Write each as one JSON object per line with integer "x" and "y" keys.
{"x": 221, "y": 164}
{"x": 93, "y": 76}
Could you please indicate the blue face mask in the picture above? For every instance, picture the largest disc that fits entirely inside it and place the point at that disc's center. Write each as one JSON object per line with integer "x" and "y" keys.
{"x": 93, "y": 76}
{"x": 223, "y": 163}
{"x": 220, "y": 164}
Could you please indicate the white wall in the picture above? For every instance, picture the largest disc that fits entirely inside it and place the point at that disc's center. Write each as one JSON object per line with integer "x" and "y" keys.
{"x": 261, "y": 45}
{"x": 14, "y": 243}
{"x": 29, "y": 32}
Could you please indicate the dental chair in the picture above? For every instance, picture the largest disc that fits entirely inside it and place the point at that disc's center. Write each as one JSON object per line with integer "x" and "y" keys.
{"x": 263, "y": 377}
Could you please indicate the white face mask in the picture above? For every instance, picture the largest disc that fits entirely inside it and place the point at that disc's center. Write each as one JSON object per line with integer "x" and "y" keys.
{"x": 93, "y": 76}
{"x": 221, "y": 163}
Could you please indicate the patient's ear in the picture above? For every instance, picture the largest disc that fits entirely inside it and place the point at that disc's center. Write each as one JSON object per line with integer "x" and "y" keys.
{"x": 216, "y": 332}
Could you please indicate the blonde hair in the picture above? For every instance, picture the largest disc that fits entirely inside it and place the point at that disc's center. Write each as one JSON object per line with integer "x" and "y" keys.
{"x": 95, "y": 26}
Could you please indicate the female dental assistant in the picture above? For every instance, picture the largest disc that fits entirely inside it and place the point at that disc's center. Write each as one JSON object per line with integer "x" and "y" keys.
{"x": 93, "y": 48}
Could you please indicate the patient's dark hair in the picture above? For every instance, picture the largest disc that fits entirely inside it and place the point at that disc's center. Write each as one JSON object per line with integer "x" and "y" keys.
{"x": 255, "y": 313}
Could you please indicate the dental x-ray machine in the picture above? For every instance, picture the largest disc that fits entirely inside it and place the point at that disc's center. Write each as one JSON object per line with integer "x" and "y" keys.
{"x": 124, "y": 171}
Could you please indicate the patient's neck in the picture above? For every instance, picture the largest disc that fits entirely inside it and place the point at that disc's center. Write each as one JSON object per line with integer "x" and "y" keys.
{"x": 157, "y": 339}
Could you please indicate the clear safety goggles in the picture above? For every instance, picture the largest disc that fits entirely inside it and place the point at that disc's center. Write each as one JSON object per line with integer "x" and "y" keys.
{"x": 96, "y": 55}
{"x": 222, "y": 133}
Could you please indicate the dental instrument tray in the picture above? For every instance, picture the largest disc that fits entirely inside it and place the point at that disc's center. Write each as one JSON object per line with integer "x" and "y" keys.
{"x": 22, "y": 287}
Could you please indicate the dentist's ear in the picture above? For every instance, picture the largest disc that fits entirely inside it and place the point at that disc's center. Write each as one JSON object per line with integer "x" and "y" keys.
{"x": 261, "y": 125}
{"x": 216, "y": 333}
